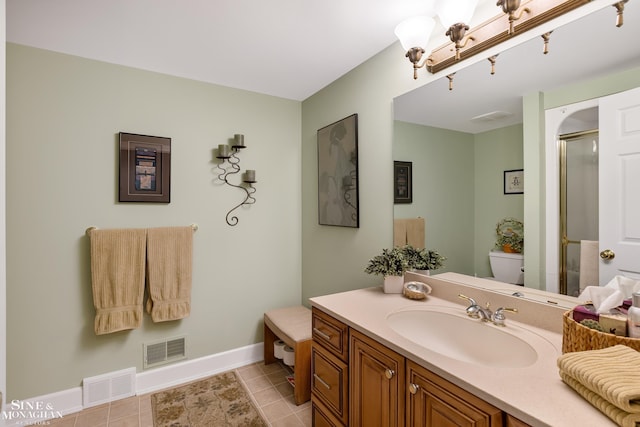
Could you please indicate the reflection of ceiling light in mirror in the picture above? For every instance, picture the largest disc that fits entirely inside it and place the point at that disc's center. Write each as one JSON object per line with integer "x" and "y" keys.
{"x": 492, "y": 116}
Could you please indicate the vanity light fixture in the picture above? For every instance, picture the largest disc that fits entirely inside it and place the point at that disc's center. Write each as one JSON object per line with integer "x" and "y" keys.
{"x": 414, "y": 33}
{"x": 455, "y": 16}
{"x": 620, "y": 8}
{"x": 510, "y": 7}
{"x": 228, "y": 153}
{"x": 517, "y": 16}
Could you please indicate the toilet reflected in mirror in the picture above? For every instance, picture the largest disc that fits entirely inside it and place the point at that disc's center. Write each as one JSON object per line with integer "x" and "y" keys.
{"x": 507, "y": 267}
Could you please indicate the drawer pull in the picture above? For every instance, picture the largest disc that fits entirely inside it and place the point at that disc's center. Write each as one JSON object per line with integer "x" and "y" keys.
{"x": 413, "y": 388}
{"x": 322, "y": 381}
{"x": 389, "y": 374}
{"x": 322, "y": 334}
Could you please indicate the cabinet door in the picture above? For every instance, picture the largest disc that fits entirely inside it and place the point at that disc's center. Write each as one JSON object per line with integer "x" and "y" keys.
{"x": 433, "y": 401}
{"x": 376, "y": 383}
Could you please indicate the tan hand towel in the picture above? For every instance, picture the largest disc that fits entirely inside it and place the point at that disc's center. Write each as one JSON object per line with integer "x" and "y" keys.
{"x": 409, "y": 231}
{"x": 399, "y": 232}
{"x": 620, "y": 417}
{"x": 415, "y": 232}
{"x": 169, "y": 265}
{"x": 589, "y": 263}
{"x": 611, "y": 372}
{"x": 117, "y": 278}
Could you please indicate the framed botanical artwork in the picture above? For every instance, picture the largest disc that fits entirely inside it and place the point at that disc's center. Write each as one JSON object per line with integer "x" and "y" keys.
{"x": 402, "y": 182}
{"x": 514, "y": 181}
{"x": 145, "y": 168}
{"x": 338, "y": 173}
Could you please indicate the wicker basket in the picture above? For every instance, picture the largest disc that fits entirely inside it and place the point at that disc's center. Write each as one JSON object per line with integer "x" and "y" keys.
{"x": 577, "y": 337}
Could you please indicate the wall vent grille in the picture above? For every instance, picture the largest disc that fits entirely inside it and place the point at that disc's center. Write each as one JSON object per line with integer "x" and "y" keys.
{"x": 164, "y": 351}
{"x": 108, "y": 387}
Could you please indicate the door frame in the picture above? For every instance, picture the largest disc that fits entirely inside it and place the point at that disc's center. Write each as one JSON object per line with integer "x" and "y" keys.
{"x": 556, "y": 124}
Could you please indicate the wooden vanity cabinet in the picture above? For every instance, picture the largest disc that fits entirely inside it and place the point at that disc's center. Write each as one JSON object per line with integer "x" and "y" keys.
{"x": 329, "y": 371}
{"x": 433, "y": 401}
{"x": 376, "y": 383}
{"x": 357, "y": 381}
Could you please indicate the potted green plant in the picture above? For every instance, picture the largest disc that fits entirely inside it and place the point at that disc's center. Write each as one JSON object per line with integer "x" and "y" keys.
{"x": 510, "y": 235}
{"x": 391, "y": 264}
{"x": 423, "y": 260}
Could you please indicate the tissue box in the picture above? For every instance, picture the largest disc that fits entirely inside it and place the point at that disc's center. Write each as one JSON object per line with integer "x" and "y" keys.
{"x": 614, "y": 322}
{"x": 585, "y": 311}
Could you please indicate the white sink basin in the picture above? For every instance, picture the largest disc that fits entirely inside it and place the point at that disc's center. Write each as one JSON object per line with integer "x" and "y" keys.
{"x": 449, "y": 333}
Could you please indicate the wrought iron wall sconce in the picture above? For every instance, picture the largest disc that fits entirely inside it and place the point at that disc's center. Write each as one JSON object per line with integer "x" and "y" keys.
{"x": 228, "y": 153}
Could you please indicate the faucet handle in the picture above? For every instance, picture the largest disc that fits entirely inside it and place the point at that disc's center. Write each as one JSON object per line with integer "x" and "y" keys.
{"x": 471, "y": 300}
{"x": 473, "y": 309}
{"x": 498, "y": 317}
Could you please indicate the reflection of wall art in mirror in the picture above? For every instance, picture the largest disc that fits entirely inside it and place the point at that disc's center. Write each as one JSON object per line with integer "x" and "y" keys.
{"x": 145, "y": 168}
{"x": 514, "y": 181}
{"x": 402, "y": 183}
{"x": 338, "y": 173}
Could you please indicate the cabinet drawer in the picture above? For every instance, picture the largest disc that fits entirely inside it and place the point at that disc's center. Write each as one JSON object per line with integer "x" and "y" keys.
{"x": 330, "y": 333}
{"x": 329, "y": 381}
{"x": 321, "y": 417}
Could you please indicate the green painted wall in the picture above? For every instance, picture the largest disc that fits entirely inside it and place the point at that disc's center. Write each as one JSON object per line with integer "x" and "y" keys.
{"x": 495, "y": 152}
{"x": 443, "y": 191}
{"x": 458, "y": 188}
{"x": 63, "y": 117}
{"x": 334, "y": 258}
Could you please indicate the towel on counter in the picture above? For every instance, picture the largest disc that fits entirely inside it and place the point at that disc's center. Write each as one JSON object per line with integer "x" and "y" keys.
{"x": 620, "y": 417}
{"x": 409, "y": 231}
{"x": 117, "y": 278}
{"x": 169, "y": 266}
{"x": 611, "y": 373}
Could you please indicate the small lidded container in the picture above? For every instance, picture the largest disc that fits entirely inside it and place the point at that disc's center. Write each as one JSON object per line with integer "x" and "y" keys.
{"x": 634, "y": 316}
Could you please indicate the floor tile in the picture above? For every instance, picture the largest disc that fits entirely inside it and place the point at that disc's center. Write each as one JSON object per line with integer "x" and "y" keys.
{"x": 267, "y": 385}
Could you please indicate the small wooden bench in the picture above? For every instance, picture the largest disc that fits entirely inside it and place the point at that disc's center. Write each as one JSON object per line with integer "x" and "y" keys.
{"x": 293, "y": 326}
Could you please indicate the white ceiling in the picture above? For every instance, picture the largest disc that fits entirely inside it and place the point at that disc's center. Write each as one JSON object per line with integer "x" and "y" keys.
{"x": 285, "y": 48}
{"x": 293, "y": 48}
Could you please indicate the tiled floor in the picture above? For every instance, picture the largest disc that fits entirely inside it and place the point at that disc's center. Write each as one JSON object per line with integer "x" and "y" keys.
{"x": 267, "y": 384}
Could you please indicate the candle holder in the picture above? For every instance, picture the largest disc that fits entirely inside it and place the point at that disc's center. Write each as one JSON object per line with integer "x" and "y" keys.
{"x": 229, "y": 153}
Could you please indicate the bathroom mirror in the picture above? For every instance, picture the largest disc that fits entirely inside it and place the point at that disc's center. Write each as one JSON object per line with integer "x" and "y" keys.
{"x": 462, "y": 141}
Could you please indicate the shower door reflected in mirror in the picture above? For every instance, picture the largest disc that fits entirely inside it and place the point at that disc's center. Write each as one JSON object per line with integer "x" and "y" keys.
{"x": 578, "y": 204}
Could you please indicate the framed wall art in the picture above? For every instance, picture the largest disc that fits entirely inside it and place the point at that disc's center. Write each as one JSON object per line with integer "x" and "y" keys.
{"x": 514, "y": 181}
{"x": 145, "y": 168}
{"x": 402, "y": 182}
{"x": 338, "y": 173}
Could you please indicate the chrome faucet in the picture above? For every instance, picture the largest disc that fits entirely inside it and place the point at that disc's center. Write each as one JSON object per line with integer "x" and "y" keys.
{"x": 485, "y": 314}
{"x": 498, "y": 317}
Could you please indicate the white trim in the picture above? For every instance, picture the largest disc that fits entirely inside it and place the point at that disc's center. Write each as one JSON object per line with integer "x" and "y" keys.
{"x": 554, "y": 119}
{"x": 172, "y": 375}
{"x": 70, "y": 400}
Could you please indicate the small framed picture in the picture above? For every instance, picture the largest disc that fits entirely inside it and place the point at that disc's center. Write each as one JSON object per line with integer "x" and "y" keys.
{"x": 402, "y": 185}
{"x": 514, "y": 181}
{"x": 145, "y": 168}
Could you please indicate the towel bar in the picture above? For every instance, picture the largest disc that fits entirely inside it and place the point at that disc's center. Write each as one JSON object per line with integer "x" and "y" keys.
{"x": 194, "y": 226}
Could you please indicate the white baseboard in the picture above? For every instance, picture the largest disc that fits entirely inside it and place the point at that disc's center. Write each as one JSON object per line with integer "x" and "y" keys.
{"x": 172, "y": 375}
{"x": 54, "y": 405}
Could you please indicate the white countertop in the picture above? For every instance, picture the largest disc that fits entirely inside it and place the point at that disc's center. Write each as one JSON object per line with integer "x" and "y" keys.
{"x": 535, "y": 394}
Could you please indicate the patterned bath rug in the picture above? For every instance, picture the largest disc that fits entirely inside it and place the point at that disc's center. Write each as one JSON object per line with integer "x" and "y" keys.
{"x": 219, "y": 400}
